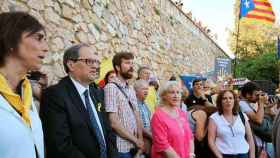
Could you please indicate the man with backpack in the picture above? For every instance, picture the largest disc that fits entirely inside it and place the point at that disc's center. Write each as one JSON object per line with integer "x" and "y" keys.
{"x": 121, "y": 105}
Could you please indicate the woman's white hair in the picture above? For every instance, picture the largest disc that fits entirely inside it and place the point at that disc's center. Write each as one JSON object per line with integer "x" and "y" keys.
{"x": 165, "y": 87}
{"x": 140, "y": 83}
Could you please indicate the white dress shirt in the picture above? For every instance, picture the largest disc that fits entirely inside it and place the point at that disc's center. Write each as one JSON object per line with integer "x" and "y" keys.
{"x": 81, "y": 89}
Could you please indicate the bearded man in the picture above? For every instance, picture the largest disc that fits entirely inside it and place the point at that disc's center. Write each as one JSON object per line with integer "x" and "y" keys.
{"x": 121, "y": 105}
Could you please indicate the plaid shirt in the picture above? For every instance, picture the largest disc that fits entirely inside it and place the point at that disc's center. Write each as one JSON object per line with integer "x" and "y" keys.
{"x": 145, "y": 114}
{"x": 116, "y": 102}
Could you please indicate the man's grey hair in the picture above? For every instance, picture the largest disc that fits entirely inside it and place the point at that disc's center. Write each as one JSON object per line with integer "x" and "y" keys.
{"x": 140, "y": 83}
{"x": 72, "y": 53}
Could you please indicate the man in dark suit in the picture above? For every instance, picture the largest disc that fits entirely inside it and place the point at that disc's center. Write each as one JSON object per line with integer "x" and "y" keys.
{"x": 74, "y": 122}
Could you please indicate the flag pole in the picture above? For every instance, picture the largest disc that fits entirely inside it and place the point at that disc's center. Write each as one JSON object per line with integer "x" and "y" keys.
{"x": 278, "y": 58}
{"x": 237, "y": 39}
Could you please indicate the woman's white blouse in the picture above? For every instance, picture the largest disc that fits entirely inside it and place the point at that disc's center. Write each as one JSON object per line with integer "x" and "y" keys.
{"x": 17, "y": 140}
{"x": 230, "y": 139}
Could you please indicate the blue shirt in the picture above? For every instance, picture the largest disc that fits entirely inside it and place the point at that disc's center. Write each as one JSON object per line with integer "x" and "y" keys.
{"x": 145, "y": 114}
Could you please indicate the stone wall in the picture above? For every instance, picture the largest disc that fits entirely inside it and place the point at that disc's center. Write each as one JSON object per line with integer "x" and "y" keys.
{"x": 159, "y": 34}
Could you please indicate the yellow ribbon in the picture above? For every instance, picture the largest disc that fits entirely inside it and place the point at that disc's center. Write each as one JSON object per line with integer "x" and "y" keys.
{"x": 21, "y": 104}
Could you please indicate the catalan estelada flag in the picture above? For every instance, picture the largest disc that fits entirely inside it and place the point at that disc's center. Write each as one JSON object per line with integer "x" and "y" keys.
{"x": 257, "y": 10}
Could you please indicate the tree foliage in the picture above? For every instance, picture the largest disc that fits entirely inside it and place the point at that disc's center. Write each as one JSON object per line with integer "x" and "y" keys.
{"x": 262, "y": 67}
{"x": 255, "y": 38}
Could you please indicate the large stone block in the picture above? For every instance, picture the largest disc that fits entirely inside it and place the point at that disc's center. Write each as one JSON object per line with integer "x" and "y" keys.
{"x": 67, "y": 11}
{"x": 36, "y": 4}
{"x": 51, "y": 16}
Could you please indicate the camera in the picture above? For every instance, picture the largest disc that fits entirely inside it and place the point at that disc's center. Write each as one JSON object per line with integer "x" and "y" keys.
{"x": 273, "y": 99}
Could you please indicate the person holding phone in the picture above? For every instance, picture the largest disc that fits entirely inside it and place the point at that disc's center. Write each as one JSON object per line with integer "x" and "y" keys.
{"x": 198, "y": 97}
{"x": 38, "y": 82}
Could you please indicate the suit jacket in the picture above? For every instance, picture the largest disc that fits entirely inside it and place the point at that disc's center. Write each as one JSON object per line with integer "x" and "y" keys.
{"x": 66, "y": 124}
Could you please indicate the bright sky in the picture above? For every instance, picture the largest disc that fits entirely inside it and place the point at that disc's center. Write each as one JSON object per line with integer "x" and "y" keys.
{"x": 218, "y": 16}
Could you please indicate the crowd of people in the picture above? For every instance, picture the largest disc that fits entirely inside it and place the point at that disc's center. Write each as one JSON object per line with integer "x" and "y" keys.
{"x": 124, "y": 117}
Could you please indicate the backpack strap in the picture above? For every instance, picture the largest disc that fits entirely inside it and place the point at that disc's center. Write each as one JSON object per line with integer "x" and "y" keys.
{"x": 241, "y": 115}
{"x": 126, "y": 96}
{"x": 242, "y": 118}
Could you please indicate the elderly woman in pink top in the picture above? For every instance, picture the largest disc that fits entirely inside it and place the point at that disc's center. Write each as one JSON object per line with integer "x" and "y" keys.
{"x": 172, "y": 136}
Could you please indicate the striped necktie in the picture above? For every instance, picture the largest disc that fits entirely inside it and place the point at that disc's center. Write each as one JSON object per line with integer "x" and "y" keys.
{"x": 100, "y": 139}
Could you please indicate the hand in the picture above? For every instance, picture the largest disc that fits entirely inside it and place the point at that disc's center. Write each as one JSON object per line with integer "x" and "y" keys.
{"x": 140, "y": 144}
{"x": 201, "y": 92}
{"x": 204, "y": 98}
{"x": 43, "y": 81}
{"x": 36, "y": 89}
{"x": 272, "y": 103}
{"x": 262, "y": 99}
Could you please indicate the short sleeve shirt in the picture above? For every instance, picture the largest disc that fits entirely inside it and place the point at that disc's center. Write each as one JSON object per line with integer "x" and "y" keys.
{"x": 245, "y": 107}
{"x": 115, "y": 101}
{"x": 230, "y": 139}
{"x": 170, "y": 132}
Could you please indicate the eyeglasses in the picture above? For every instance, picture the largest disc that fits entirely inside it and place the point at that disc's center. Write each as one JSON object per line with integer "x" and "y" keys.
{"x": 88, "y": 61}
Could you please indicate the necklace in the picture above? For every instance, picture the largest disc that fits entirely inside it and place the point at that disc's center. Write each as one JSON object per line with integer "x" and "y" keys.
{"x": 230, "y": 119}
{"x": 231, "y": 123}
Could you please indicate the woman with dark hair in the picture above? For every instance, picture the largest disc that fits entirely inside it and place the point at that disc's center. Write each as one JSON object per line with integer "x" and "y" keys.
{"x": 23, "y": 46}
{"x": 229, "y": 132}
{"x": 198, "y": 120}
{"x": 109, "y": 76}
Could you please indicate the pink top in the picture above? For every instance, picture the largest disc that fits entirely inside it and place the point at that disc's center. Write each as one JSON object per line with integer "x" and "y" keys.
{"x": 172, "y": 132}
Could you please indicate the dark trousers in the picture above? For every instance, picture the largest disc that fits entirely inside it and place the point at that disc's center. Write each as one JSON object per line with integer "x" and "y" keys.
{"x": 235, "y": 156}
{"x": 124, "y": 155}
